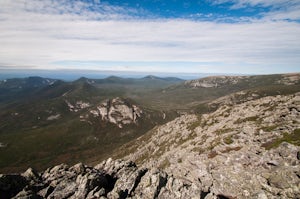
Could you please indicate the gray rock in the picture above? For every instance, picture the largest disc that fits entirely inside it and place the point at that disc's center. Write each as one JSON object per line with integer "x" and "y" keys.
{"x": 283, "y": 178}
{"x": 177, "y": 188}
{"x": 96, "y": 193}
{"x": 235, "y": 183}
{"x": 78, "y": 168}
{"x": 26, "y": 194}
{"x": 151, "y": 184}
{"x": 127, "y": 182}
{"x": 44, "y": 193}
{"x": 31, "y": 174}
{"x": 210, "y": 196}
{"x": 64, "y": 189}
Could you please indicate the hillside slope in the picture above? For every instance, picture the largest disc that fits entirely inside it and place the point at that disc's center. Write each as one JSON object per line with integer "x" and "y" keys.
{"x": 48, "y": 122}
{"x": 246, "y": 150}
{"x": 190, "y": 94}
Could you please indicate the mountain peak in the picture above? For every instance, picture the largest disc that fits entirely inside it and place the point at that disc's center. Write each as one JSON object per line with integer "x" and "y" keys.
{"x": 113, "y": 77}
{"x": 151, "y": 77}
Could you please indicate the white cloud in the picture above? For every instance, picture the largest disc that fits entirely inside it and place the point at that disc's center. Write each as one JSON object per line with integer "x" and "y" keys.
{"x": 279, "y": 9}
{"x": 263, "y": 3}
{"x": 34, "y": 33}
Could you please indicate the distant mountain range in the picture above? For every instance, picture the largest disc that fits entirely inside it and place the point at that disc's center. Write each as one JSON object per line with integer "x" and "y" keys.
{"x": 72, "y": 75}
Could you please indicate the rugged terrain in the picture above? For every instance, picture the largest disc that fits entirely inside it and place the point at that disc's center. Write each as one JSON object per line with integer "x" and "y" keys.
{"x": 246, "y": 150}
{"x": 244, "y": 144}
{"x": 243, "y": 149}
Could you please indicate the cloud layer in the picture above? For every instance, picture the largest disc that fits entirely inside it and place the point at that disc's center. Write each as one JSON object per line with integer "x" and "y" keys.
{"x": 52, "y": 34}
{"x": 277, "y": 9}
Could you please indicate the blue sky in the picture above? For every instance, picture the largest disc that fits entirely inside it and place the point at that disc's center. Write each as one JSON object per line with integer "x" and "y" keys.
{"x": 197, "y": 9}
{"x": 179, "y": 36}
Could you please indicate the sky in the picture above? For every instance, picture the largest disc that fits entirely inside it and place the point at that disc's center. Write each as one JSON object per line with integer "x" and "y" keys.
{"x": 167, "y": 36}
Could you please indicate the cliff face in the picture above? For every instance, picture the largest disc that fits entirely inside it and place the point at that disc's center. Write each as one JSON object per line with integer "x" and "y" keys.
{"x": 117, "y": 111}
{"x": 248, "y": 149}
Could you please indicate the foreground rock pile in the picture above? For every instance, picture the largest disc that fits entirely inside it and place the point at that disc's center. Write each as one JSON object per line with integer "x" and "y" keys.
{"x": 123, "y": 179}
{"x": 110, "y": 179}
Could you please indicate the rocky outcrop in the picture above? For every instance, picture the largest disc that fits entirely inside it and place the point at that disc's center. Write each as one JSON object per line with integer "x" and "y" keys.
{"x": 110, "y": 179}
{"x": 117, "y": 111}
{"x": 215, "y": 81}
{"x": 61, "y": 181}
{"x": 223, "y": 81}
{"x": 79, "y": 105}
{"x": 290, "y": 79}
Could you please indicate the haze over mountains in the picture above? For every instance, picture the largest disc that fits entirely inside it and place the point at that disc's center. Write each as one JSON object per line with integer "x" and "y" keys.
{"x": 71, "y": 75}
{"x": 214, "y": 137}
